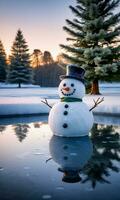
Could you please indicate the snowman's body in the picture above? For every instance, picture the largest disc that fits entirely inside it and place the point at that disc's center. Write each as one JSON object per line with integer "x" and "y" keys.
{"x": 77, "y": 122}
{"x": 71, "y": 117}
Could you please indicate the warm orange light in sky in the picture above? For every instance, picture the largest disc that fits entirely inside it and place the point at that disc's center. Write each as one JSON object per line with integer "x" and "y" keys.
{"x": 36, "y": 40}
{"x": 40, "y": 20}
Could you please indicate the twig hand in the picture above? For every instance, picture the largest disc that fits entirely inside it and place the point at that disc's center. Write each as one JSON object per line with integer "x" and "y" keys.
{"x": 46, "y": 102}
{"x": 98, "y": 101}
{"x": 48, "y": 159}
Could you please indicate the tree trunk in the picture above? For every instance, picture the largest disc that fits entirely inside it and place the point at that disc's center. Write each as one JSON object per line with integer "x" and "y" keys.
{"x": 19, "y": 85}
{"x": 95, "y": 87}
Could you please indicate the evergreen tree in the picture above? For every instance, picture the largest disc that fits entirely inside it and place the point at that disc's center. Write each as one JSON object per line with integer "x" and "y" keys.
{"x": 20, "y": 70}
{"x": 94, "y": 40}
{"x": 3, "y": 63}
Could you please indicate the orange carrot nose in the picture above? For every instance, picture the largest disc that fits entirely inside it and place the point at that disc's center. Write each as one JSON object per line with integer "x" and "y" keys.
{"x": 66, "y": 89}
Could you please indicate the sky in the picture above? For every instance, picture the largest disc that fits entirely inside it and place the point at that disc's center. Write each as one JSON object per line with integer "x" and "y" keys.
{"x": 40, "y": 20}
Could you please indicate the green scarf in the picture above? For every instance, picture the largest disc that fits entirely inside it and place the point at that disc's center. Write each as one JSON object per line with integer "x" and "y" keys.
{"x": 70, "y": 99}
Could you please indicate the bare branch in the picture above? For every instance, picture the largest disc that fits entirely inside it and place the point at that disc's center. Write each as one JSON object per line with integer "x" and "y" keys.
{"x": 98, "y": 101}
{"x": 46, "y": 102}
{"x": 94, "y": 101}
{"x": 48, "y": 159}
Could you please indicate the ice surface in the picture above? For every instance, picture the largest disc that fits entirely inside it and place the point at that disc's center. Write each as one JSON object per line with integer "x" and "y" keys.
{"x": 46, "y": 196}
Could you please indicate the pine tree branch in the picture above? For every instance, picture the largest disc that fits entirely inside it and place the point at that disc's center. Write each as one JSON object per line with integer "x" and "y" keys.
{"x": 80, "y": 8}
{"x": 115, "y": 49}
{"x": 117, "y": 29}
{"x": 113, "y": 20}
{"x": 71, "y": 39}
{"x": 102, "y": 4}
{"x": 73, "y": 59}
{"x": 81, "y": 2}
{"x": 73, "y": 33}
{"x": 78, "y": 22}
{"x": 72, "y": 49}
{"x": 77, "y": 13}
{"x": 110, "y": 6}
{"x": 74, "y": 25}
{"x": 110, "y": 36}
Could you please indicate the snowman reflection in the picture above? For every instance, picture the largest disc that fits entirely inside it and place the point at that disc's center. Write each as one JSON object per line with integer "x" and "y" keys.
{"x": 71, "y": 154}
{"x": 71, "y": 117}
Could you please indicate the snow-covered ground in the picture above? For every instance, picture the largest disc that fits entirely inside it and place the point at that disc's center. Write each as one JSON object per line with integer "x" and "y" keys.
{"x": 27, "y": 100}
{"x": 7, "y": 85}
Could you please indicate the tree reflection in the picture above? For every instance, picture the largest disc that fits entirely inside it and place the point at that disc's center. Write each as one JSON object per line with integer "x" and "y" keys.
{"x": 21, "y": 131}
{"x": 106, "y": 150}
{"x": 37, "y": 125}
{"x": 2, "y": 128}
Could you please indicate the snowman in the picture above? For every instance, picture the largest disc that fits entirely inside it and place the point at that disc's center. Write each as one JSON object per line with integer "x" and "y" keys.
{"x": 71, "y": 117}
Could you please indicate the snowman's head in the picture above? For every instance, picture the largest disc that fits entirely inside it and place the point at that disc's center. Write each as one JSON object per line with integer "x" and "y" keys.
{"x": 70, "y": 87}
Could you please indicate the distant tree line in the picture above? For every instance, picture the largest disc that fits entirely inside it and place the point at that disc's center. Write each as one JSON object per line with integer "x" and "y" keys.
{"x": 46, "y": 71}
{"x": 48, "y": 74}
{"x": 39, "y": 58}
{"x": 23, "y": 68}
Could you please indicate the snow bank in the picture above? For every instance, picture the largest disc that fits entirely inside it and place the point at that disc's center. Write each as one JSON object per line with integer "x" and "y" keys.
{"x": 7, "y": 85}
{"x": 14, "y": 101}
{"x": 23, "y": 106}
{"x": 107, "y": 119}
{"x": 19, "y": 101}
{"x": 109, "y": 85}
{"x": 33, "y": 105}
{"x": 110, "y": 105}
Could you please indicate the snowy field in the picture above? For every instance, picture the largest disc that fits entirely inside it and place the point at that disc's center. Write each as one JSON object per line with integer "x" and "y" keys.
{"x": 27, "y": 100}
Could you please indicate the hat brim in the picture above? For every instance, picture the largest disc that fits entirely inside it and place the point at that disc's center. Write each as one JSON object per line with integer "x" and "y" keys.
{"x": 71, "y": 179}
{"x": 72, "y": 76}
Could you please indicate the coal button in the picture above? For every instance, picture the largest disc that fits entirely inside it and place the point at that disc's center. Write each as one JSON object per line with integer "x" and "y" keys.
{"x": 65, "y": 147}
{"x": 65, "y": 158}
{"x": 65, "y": 125}
{"x": 65, "y": 112}
{"x": 66, "y": 106}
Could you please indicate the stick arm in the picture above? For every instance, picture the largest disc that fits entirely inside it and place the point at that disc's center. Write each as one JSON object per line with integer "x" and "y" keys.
{"x": 98, "y": 101}
{"x": 46, "y": 103}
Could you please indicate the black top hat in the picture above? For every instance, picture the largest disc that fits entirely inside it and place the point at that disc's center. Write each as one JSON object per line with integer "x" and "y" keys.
{"x": 73, "y": 71}
{"x": 70, "y": 176}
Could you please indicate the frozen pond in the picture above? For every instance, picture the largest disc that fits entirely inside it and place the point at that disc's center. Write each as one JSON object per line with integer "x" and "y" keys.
{"x": 34, "y": 164}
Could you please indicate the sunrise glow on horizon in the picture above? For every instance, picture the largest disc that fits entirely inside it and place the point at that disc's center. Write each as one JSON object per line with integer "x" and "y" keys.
{"x": 41, "y": 22}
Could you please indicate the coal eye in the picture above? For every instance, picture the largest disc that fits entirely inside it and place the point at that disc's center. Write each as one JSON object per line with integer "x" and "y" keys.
{"x": 72, "y": 85}
{"x": 64, "y": 84}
